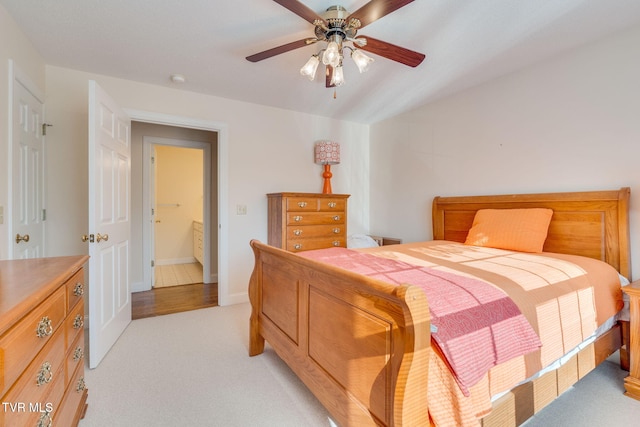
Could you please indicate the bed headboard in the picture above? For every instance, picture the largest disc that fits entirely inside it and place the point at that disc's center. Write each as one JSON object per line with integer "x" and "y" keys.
{"x": 594, "y": 224}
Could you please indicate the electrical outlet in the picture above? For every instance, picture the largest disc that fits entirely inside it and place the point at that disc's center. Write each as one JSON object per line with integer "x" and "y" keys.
{"x": 241, "y": 209}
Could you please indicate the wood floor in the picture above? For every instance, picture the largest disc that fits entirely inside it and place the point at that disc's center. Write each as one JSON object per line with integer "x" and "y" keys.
{"x": 174, "y": 299}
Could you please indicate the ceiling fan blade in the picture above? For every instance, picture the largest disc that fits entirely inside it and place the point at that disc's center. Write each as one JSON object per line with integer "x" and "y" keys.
{"x": 280, "y": 49}
{"x": 393, "y": 52}
{"x": 376, "y": 9}
{"x": 301, "y": 10}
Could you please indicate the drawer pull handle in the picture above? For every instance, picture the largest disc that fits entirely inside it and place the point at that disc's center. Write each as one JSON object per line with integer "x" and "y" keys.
{"x": 45, "y": 328}
{"x": 302, "y": 204}
{"x": 77, "y": 354}
{"x": 78, "y": 322}
{"x": 44, "y": 375}
{"x": 336, "y": 243}
{"x": 336, "y": 231}
{"x": 78, "y": 289}
{"x": 332, "y": 204}
{"x": 297, "y": 232}
{"x": 81, "y": 386}
{"x": 45, "y": 420}
{"x": 336, "y": 218}
{"x": 297, "y": 218}
{"x": 297, "y": 246}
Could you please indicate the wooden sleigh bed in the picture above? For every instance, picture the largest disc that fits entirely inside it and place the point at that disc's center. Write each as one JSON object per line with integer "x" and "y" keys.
{"x": 363, "y": 345}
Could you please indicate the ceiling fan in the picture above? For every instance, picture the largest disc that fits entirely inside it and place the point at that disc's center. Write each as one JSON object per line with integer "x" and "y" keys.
{"x": 338, "y": 27}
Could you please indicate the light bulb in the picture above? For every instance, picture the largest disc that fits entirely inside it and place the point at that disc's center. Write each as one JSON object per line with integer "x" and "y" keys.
{"x": 337, "y": 79}
{"x": 309, "y": 69}
{"x": 362, "y": 61}
{"x": 331, "y": 55}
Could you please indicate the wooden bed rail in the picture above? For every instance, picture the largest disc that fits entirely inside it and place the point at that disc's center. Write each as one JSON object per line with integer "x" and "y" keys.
{"x": 377, "y": 330}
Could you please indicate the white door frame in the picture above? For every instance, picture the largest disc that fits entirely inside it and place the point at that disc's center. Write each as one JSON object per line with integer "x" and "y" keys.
{"x": 223, "y": 184}
{"x": 148, "y": 220}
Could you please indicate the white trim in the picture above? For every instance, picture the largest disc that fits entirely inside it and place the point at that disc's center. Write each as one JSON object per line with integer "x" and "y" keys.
{"x": 173, "y": 261}
{"x": 223, "y": 183}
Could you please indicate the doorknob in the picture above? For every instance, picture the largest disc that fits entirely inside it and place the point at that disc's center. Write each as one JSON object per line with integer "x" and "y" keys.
{"x": 87, "y": 238}
{"x": 100, "y": 237}
{"x": 24, "y": 238}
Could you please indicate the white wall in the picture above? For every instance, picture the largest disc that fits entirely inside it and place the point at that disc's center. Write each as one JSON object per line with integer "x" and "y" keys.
{"x": 569, "y": 124}
{"x": 269, "y": 150}
{"x": 13, "y": 46}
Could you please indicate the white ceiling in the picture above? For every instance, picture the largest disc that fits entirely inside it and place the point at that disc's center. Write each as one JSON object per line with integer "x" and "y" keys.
{"x": 467, "y": 42}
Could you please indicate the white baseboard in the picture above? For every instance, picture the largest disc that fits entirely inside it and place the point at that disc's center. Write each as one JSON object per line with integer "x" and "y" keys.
{"x": 240, "y": 298}
{"x": 139, "y": 287}
{"x": 169, "y": 261}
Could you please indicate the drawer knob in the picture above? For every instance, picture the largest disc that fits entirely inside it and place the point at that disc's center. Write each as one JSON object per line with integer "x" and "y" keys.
{"x": 336, "y": 218}
{"x": 332, "y": 204}
{"x": 77, "y": 354}
{"x": 45, "y": 420}
{"x": 297, "y": 246}
{"x": 78, "y": 289}
{"x": 336, "y": 243}
{"x": 302, "y": 204}
{"x": 80, "y": 386}
{"x": 45, "y": 328}
{"x": 297, "y": 218}
{"x": 78, "y": 322}
{"x": 44, "y": 375}
{"x": 336, "y": 231}
{"x": 297, "y": 232}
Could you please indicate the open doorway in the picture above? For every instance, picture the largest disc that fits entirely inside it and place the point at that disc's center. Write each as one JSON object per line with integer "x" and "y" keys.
{"x": 172, "y": 217}
{"x": 177, "y": 189}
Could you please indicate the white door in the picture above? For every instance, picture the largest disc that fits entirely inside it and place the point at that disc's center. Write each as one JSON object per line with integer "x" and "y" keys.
{"x": 109, "y": 222}
{"x": 27, "y": 221}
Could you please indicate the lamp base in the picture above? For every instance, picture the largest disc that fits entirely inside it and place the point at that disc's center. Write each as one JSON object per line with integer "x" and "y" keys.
{"x": 326, "y": 188}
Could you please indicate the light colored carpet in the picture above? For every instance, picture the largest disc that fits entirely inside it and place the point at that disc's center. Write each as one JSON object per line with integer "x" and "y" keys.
{"x": 193, "y": 368}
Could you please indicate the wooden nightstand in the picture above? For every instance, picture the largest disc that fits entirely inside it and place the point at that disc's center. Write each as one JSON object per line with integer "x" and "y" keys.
{"x": 632, "y": 382}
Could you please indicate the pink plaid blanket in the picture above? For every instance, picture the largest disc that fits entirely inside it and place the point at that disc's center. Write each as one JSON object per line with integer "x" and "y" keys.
{"x": 474, "y": 324}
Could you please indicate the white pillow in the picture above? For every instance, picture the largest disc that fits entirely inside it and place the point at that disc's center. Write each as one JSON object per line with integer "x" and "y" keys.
{"x": 361, "y": 241}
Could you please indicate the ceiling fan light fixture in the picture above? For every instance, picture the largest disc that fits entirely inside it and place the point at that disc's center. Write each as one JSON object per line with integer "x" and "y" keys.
{"x": 337, "y": 78}
{"x": 309, "y": 69}
{"x": 362, "y": 61}
{"x": 331, "y": 55}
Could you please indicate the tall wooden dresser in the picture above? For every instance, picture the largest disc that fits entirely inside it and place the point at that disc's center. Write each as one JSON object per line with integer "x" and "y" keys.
{"x": 305, "y": 221}
{"x": 42, "y": 341}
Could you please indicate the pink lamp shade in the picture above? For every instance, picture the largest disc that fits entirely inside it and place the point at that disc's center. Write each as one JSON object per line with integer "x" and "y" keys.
{"x": 327, "y": 153}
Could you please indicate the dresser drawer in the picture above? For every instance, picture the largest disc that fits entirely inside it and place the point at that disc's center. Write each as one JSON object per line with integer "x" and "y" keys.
{"x": 315, "y": 218}
{"x": 74, "y": 323}
{"x": 74, "y": 357}
{"x": 312, "y": 231}
{"x": 73, "y": 405}
{"x": 75, "y": 288}
{"x": 298, "y": 245}
{"x": 302, "y": 204}
{"x": 21, "y": 343}
{"x": 40, "y": 387}
{"x": 332, "y": 205}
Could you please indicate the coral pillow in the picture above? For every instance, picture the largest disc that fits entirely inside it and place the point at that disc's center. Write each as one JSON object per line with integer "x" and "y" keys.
{"x": 523, "y": 230}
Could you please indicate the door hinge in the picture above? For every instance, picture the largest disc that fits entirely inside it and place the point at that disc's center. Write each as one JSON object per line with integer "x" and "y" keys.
{"x": 44, "y": 214}
{"x": 153, "y": 263}
{"x": 153, "y": 211}
{"x": 153, "y": 160}
{"x": 44, "y": 128}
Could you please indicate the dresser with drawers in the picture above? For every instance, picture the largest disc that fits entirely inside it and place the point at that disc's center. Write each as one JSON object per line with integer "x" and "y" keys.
{"x": 42, "y": 341}
{"x": 306, "y": 221}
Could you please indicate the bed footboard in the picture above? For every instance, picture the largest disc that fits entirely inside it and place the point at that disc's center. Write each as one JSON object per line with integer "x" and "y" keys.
{"x": 360, "y": 345}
